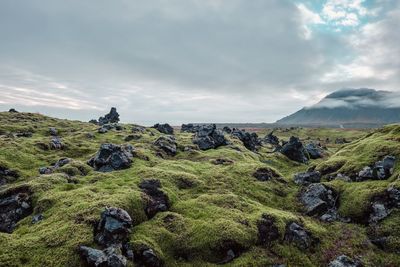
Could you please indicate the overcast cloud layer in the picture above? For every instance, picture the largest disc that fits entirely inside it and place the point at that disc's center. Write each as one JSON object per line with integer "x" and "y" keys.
{"x": 182, "y": 61}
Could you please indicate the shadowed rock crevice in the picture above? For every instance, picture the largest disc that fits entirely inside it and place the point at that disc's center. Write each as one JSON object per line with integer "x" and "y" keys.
{"x": 155, "y": 199}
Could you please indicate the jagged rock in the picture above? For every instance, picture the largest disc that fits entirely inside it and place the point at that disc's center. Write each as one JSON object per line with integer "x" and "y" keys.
{"x": 318, "y": 199}
{"x": 15, "y": 205}
{"x": 112, "y": 157}
{"x": 227, "y": 130}
{"x": 267, "y": 230}
{"x": 7, "y": 175}
{"x": 271, "y": 139}
{"x": 155, "y": 199}
{"x": 344, "y": 261}
{"x": 221, "y": 161}
{"x": 111, "y": 117}
{"x": 295, "y": 150}
{"x": 314, "y": 151}
{"x": 109, "y": 257}
{"x": 250, "y": 140}
{"x": 12, "y": 110}
{"x": 113, "y": 227}
{"x": 379, "y": 212}
{"x": 164, "y": 128}
{"x": 305, "y": 178}
{"x": 146, "y": 257}
{"x": 56, "y": 143}
{"x": 208, "y": 137}
{"x": 383, "y": 204}
{"x": 167, "y": 144}
{"x": 265, "y": 174}
{"x": 53, "y": 131}
{"x": 132, "y": 137}
{"x": 37, "y": 218}
{"x": 296, "y": 234}
{"x": 189, "y": 128}
{"x": 381, "y": 170}
{"x": 93, "y": 121}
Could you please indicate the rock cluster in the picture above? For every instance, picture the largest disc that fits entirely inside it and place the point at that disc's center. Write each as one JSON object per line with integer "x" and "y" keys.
{"x": 383, "y": 204}
{"x": 111, "y": 117}
{"x": 381, "y": 170}
{"x": 164, "y": 128}
{"x": 208, "y": 137}
{"x": 190, "y": 128}
{"x": 271, "y": 139}
{"x": 320, "y": 200}
{"x": 7, "y": 175}
{"x": 112, "y": 157}
{"x": 314, "y": 151}
{"x": 109, "y": 126}
{"x": 250, "y": 140}
{"x": 308, "y": 177}
{"x": 15, "y": 205}
{"x": 167, "y": 143}
{"x": 155, "y": 199}
{"x": 295, "y": 150}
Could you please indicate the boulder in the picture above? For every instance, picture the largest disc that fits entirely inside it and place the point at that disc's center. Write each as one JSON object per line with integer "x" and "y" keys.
{"x": 227, "y": 130}
{"x": 146, "y": 257}
{"x": 299, "y": 236}
{"x": 267, "y": 230}
{"x": 265, "y": 174}
{"x": 295, "y": 150}
{"x": 208, "y": 137}
{"x": 112, "y": 157}
{"x": 381, "y": 170}
{"x": 111, "y": 117}
{"x": 189, "y": 128}
{"x": 306, "y": 178}
{"x": 318, "y": 199}
{"x": 56, "y": 143}
{"x": 271, "y": 139}
{"x": 109, "y": 257}
{"x": 249, "y": 140}
{"x": 12, "y": 110}
{"x": 164, "y": 128}
{"x": 93, "y": 121}
{"x": 15, "y": 205}
{"x": 7, "y": 175}
{"x": 155, "y": 199}
{"x": 314, "y": 151}
{"x": 53, "y": 131}
{"x": 383, "y": 204}
{"x": 113, "y": 227}
{"x": 167, "y": 143}
{"x": 344, "y": 261}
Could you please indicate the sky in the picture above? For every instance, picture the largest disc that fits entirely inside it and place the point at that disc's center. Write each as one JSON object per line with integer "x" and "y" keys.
{"x": 181, "y": 61}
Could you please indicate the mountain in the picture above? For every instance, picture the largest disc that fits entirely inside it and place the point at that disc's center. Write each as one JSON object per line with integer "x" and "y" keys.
{"x": 349, "y": 108}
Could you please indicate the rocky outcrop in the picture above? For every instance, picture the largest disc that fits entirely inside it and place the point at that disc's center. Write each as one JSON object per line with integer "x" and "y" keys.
{"x": 155, "y": 199}
{"x": 7, "y": 175}
{"x": 208, "y": 137}
{"x": 308, "y": 177}
{"x": 381, "y": 170}
{"x": 344, "y": 261}
{"x": 383, "y": 204}
{"x": 267, "y": 230}
{"x": 314, "y": 151}
{"x": 271, "y": 139}
{"x": 164, "y": 128}
{"x": 300, "y": 237}
{"x": 249, "y": 140}
{"x": 227, "y": 130}
{"x": 56, "y": 143}
{"x": 265, "y": 174}
{"x": 112, "y": 157}
{"x": 167, "y": 143}
{"x": 295, "y": 150}
{"x": 320, "y": 200}
{"x": 15, "y": 205}
{"x": 109, "y": 257}
{"x": 190, "y": 128}
{"x": 111, "y": 117}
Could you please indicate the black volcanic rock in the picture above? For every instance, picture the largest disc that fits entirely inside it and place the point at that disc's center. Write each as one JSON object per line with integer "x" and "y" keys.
{"x": 7, "y": 175}
{"x": 295, "y": 150}
{"x": 354, "y": 107}
{"x": 164, "y": 128}
{"x": 249, "y": 140}
{"x": 208, "y": 137}
{"x": 155, "y": 199}
{"x": 15, "y": 205}
{"x": 111, "y": 117}
{"x": 112, "y": 157}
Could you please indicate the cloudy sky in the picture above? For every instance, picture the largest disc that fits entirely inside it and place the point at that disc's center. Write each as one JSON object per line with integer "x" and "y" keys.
{"x": 183, "y": 61}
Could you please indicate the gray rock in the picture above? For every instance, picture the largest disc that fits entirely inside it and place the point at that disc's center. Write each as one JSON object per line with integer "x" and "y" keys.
{"x": 112, "y": 157}
{"x": 208, "y": 137}
{"x": 15, "y": 205}
{"x": 318, "y": 199}
{"x": 305, "y": 178}
{"x": 297, "y": 235}
{"x": 271, "y": 139}
{"x": 189, "y": 128}
{"x": 53, "y": 131}
{"x": 37, "y": 218}
{"x": 111, "y": 117}
{"x": 381, "y": 170}
{"x": 102, "y": 130}
{"x": 314, "y": 151}
{"x": 49, "y": 170}
{"x": 167, "y": 144}
{"x": 109, "y": 257}
{"x": 344, "y": 261}
{"x": 249, "y": 140}
{"x": 56, "y": 143}
{"x": 7, "y": 175}
{"x": 146, "y": 256}
{"x": 379, "y": 212}
{"x": 295, "y": 150}
{"x": 164, "y": 128}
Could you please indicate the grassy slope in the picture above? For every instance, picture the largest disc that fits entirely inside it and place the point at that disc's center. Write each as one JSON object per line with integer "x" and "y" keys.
{"x": 225, "y": 203}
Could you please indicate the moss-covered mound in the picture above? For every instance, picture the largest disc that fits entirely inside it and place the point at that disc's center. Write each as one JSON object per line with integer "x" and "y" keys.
{"x": 216, "y": 206}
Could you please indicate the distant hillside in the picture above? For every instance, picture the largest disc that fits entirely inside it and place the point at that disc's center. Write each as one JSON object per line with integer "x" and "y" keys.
{"x": 350, "y": 108}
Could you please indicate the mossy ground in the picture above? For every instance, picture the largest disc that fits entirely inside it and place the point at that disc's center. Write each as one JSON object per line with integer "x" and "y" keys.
{"x": 223, "y": 203}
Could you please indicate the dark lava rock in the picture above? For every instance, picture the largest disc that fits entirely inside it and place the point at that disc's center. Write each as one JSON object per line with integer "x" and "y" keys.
{"x": 23, "y": 134}
{"x": 12, "y": 110}
{"x": 93, "y": 121}
{"x": 221, "y": 161}
{"x": 37, "y": 218}
{"x": 267, "y": 230}
{"x": 208, "y": 137}
{"x": 111, "y": 117}
{"x": 250, "y": 140}
{"x": 48, "y": 170}
{"x": 309, "y": 177}
{"x": 295, "y": 150}
{"x": 155, "y": 199}
{"x": 110, "y": 126}
{"x": 189, "y": 128}
{"x": 340, "y": 140}
{"x": 113, "y": 227}
{"x": 265, "y": 174}
{"x": 15, "y": 205}
{"x": 132, "y": 137}
{"x": 167, "y": 144}
{"x": 7, "y": 175}
{"x": 227, "y": 130}
{"x": 164, "y": 128}
{"x": 112, "y": 157}
{"x": 344, "y": 261}
{"x": 228, "y": 251}
{"x": 383, "y": 204}
{"x": 271, "y": 139}
{"x": 314, "y": 151}
{"x": 53, "y": 131}
{"x": 381, "y": 170}
{"x": 318, "y": 199}
{"x": 146, "y": 257}
{"x": 138, "y": 129}
{"x": 300, "y": 237}
{"x": 56, "y": 143}
{"x": 102, "y": 130}
{"x": 109, "y": 257}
